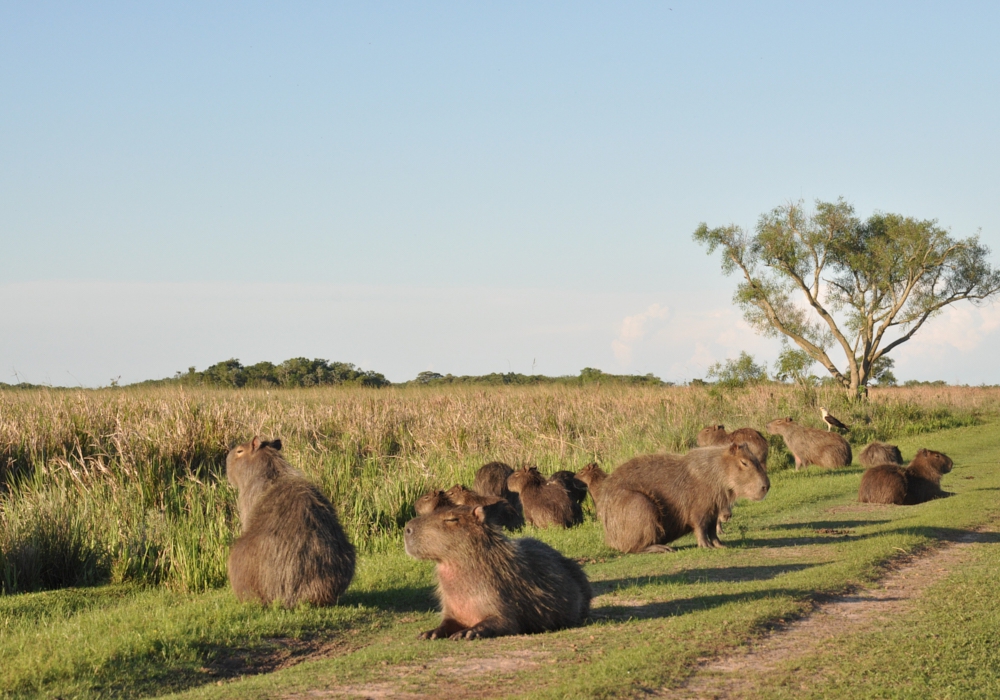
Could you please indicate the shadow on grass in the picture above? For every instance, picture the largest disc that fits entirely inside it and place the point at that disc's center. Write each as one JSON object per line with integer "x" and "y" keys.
{"x": 827, "y": 524}
{"x": 683, "y": 606}
{"x": 731, "y": 574}
{"x": 409, "y": 599}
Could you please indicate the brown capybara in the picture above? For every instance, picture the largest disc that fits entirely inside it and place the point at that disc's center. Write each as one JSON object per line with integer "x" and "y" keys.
{"x": 884, "y": 483}
{"x": 544, "y": 502}
{"x": 919, "y": 482}
{"x": 654, "y": 499}
{"x": 812, "y": 446}
{"x": 716, "y": 436}
{"x": 432, "y": 500}
{"x": 498, "y": 510}
{"x": 593, "y": 476}
{"x": 291, "y": 547}
{"x": 491, "y": 480}
{"x": 923, "y": 476}
{"x": 576, "y": 489}
{"x": 878, "y": 453}
{"x": 489, "y": 585}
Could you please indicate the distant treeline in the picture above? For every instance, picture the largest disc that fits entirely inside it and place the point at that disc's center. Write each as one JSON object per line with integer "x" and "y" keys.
{"x": 588, "y": 375}
{"x": 302, "y": 372}
{"x": 296, "y": 372}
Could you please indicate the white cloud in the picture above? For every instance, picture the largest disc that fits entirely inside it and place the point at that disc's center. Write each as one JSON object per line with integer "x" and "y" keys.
{"x": 633, "y": 330}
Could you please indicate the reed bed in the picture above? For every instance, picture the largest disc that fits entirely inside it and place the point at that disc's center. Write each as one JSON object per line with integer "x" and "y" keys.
{"x": 129, "y": 484}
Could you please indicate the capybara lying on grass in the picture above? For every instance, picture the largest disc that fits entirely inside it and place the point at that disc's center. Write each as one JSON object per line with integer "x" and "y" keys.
{"x": 576, "y": 489}
{"x": 716, "y": 436}
{"x": 491, "y": 586}
{"x": 291, "y": 547}
{"x": 918, "y": 483}
{"x": 654, "y": 499}
{"x": 878, "y": 453}
{"x": 811, "y": 446}
{"x": 431, "y": 501}
{"x": 544, "y": 502}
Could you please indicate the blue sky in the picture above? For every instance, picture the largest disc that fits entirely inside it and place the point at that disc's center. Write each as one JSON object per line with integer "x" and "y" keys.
{"x": 461, "y": 187}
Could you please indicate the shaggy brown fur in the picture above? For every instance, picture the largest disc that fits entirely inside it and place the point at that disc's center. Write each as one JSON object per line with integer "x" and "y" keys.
{"x": 716, "y": 436}
{"x": 544, "y": 502}
{"x": 885, "y": 483}
{"x": 918, "y": 483}
{"x": 498, "y": 511}
{"x": 878, "y": 453}
{"x": 654, "y": 499}
{"x": 291, "y": 547}
{"x": 923, "y": 476}
{"x": 491, "y": 480}
{"x": 576, "y": 489}
{"x": 431, "y": 501}
{"x": 489, "y": 585}
{"x": 811, "y": 446}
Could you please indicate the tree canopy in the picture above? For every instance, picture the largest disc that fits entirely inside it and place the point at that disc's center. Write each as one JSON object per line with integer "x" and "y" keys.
{"x": 864, "y": 286}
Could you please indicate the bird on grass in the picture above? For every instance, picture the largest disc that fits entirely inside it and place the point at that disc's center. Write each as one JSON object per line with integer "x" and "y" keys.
{"x": 830, "y": 421}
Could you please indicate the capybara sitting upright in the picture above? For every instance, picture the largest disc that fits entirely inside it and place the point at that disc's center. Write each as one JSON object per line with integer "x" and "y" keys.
{"x": 498, "y": 510}
{"x": 923, "y": 476}
{"x": 593, "y": 476}
{"x": 544, "y": 502}
{"x": 291, "y": 547}
{"x": 811, "y": 446}
{"x": 491, "y": 586}
{"x": 491, "y": 480}
{"x": 918, "y": 483}
{"x": 654, "y": 499}
{"x": 716, "y": 436}
{"x": 877, "y": 453}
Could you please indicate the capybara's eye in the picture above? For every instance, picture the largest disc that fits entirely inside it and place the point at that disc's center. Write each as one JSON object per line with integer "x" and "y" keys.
{"x": 451, "y": 520}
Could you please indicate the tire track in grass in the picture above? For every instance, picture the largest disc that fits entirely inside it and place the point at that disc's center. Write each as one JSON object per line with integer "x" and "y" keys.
{"x": 741, "y": 675}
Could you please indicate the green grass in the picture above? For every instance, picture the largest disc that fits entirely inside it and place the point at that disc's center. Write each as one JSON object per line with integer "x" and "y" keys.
{"x": 654, "y": 618}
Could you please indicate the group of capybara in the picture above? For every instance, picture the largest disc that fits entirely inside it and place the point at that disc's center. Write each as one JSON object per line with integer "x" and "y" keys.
{"x": 292, "y": 548}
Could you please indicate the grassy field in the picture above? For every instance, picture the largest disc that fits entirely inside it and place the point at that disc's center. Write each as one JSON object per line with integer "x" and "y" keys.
{"x": 127, "y": 488}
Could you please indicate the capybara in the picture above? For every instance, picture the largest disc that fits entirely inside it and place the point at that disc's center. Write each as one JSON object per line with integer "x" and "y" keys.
{"x": 544, "y": 502}
{"x": 812, "y": 446}
{"x": 491, "y": 480}
{"x": 576, "y": 489}
{"x": 654, "y": 499}
{"x": 489, "y": 585}
{"x": 498, "y": 510}
{"x": 716, "y": 436}
{"x": 923, "y": 476}
{"x": 593, "y": 476}
{"x": 918, "y": 483}
{"x": 432, "y": 500}
{"x": 884, "y": 483}
{"x": 878, "y": 453}
{"x": 291, "y": 547}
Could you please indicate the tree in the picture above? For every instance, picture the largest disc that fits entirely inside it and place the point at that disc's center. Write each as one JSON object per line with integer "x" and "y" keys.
{"x": 739, "y": 372}
{"x": 867, "y": 286}
{"x": 794, "y": 364}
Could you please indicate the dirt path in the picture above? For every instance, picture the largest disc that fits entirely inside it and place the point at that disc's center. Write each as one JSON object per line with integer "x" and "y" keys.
{"x": 736, "y": 676}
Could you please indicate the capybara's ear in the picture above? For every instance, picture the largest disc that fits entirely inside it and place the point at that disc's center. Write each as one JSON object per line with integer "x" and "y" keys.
{"x": 720, "y": 427}
{"x": 255, "y": 443}
{"x": 734, "y": 448}
{"x": 276, "y": 443}
{"x": 922, "y": 451}
{"x": 789, "y": 419}
{"x": 480, "y": 513}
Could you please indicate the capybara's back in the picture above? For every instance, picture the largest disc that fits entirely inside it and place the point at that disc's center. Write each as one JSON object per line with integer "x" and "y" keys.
{"x": 811, "y": 446}
{"x": 291, "y": 547}
{"x": 545, "y": 503}
{"x": 716, "y": 436}
{"x": 924, "y": 474}
{"x": 877, "y": 453}
{"x": 884, "y": 483}
{"x": 491, "y": 586}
